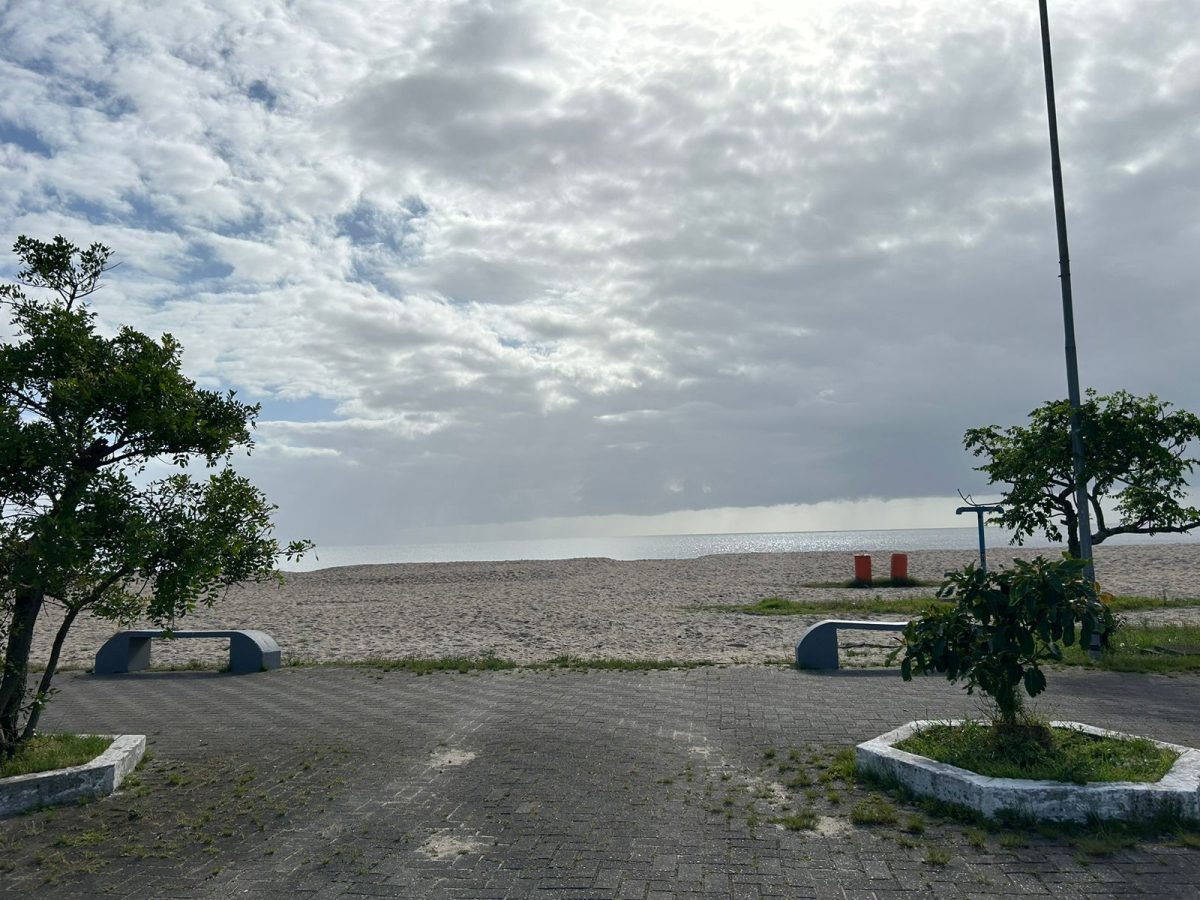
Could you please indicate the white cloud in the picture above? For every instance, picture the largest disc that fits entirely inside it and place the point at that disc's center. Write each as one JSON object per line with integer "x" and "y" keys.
{"x": 566, "y": 259}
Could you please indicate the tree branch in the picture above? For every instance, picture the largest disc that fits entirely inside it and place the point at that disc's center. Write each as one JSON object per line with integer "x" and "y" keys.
{"x": 29, "y": 402}
{"x": 1098, "y": 513}
{"x": 1100, "y": 537}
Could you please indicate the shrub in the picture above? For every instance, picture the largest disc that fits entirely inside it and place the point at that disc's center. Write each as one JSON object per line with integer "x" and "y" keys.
{"x": 1003, "y": 625}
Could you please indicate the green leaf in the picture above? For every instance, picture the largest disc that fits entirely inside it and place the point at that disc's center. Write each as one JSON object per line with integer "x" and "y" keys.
{"x": 86, "y": 413}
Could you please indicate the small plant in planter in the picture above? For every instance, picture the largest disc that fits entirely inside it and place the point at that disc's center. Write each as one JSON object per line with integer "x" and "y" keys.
{"x": 1004, "y": 624}
{"x": 1002, "y": 627}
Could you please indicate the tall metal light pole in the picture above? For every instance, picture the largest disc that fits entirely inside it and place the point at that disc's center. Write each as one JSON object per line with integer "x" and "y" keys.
{"x": 1064, "y": 266}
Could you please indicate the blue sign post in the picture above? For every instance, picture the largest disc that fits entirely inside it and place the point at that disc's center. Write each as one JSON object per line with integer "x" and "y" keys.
{"x": 980, "y": 510}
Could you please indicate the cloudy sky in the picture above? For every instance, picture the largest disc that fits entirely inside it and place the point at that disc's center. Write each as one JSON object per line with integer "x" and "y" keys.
{"x": 574, "y": 259}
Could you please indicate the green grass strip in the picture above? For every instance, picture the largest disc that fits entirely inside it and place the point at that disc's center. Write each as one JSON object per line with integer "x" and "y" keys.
{"x": 414, "y": 664}
{"x": 1144, "y": 648}
{"x": 576, "y": 663}
{"x": 905, "y": 582}
{"x": 1070, "y": 756}
{"x": 46, "y": 752}
{"x": 464, "y": 664}
{"x": 907, "y": 606}
{"x": 778, "y": 606}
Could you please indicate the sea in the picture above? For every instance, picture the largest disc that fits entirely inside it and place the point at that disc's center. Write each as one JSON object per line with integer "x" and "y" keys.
{"x": 684, "y": 546}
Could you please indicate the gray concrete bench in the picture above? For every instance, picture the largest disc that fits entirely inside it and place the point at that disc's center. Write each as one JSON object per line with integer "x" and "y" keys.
{"x": 128, "y": 651}
{"x": 818, "y": 646}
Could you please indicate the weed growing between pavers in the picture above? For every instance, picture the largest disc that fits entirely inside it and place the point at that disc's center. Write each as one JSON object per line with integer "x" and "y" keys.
{"x": 936, "y": 856}
{"x": 1013, "y": 832}
{"x": 169, "y": 810}
{"x": 874, "y": 810}
{"x": 815, "y": 794}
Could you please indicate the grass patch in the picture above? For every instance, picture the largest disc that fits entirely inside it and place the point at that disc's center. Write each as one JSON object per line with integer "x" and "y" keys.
{"x": 936, "y": 856}
{"x": 191, "y": 665}
{"x": 906, "y": 582}
{"x": 1012, "y": 831}
{"x": 874, "y": 810}
{"x": 47, "y": 752}
{"x": 90, "y": 838}
{"x": 464, "y": 664}
{"x": 416, "y": 664}
{"x": 1055, "y": 754}
{"x": 915, "y": 606}
{"x": 421, "y": 666}
{"x": 576, "y": 663}
{"x": 1137, "y": 604}
{"x": 1144, "y": 648}
{"x": 779, "y": 606}
{"x": 804, "y": 820}
{"x": 843, "y": 766}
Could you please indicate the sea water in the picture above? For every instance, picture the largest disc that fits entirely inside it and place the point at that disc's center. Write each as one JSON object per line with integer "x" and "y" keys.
{"x": 684, "y": 546}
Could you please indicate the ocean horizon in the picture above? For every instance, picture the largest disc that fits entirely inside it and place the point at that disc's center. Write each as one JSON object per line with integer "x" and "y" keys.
{"x": 685, "y": 546}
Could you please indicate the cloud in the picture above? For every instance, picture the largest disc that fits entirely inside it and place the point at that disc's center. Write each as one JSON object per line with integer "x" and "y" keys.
{"x": 528, "y": 261}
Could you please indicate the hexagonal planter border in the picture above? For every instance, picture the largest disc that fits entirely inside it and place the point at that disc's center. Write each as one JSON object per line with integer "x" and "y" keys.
{"x": 97, "y": 778}
{"x": 1177, "y": 792}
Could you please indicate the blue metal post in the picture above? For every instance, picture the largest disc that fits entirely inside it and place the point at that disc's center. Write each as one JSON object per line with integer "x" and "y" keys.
{"x": 980, "y": 511}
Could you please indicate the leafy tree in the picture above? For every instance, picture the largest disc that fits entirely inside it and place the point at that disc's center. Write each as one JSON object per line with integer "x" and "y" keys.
{"x": 1005, "y": 623}
{"x": 81, "y": 529}
{"x": 1135, "y": 453}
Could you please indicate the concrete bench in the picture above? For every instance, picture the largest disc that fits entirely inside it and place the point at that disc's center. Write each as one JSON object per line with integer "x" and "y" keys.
{"x": 128, "y": 651}
{"x": 818, "y": 646}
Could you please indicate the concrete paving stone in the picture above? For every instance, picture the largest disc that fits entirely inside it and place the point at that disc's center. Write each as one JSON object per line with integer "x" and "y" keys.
{"x": 321, "y": 783}
{"x": 632, "y": 889}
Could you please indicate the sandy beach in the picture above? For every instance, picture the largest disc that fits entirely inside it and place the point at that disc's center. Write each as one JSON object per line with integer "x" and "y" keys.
{"x": 537, "y": 610}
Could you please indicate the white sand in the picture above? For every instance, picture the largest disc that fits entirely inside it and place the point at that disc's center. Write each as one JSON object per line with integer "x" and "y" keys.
{"x": 536, "y": 610}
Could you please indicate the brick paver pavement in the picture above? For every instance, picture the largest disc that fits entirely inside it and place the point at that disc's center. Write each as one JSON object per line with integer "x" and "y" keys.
{"x": 321, "y": 783}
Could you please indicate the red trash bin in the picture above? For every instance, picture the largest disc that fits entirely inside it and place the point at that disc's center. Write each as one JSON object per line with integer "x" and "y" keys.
{"x": 862, "y": 567}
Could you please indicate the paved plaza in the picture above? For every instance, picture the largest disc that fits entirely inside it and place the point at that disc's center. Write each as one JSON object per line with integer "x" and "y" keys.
{"x": 353, "y": 782}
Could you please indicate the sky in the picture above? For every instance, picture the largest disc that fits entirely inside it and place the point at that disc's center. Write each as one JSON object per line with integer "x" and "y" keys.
{"x": 617, "y": 266}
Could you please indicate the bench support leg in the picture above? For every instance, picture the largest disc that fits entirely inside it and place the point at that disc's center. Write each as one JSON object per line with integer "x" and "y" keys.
{"x": 818, "y": 649}
{"x": 122, "y": 653}
{"x": 246, "y": 656}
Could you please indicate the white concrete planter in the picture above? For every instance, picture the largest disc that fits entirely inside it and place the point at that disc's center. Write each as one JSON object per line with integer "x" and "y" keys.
{"x": 97, "y": 778}
{"x": 1178, "y": 791}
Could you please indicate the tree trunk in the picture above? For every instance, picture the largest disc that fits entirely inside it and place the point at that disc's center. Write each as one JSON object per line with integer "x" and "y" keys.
{"x": 1073, "y": 546}
{"x": 1008, "y": 704}
{"x": 43, "y": 689}
{"x": 26, "y": 607}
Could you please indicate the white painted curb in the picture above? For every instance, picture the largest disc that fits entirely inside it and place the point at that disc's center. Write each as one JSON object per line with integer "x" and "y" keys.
{"x": 97, "y": 778}
{"x": 1176, "y": 792}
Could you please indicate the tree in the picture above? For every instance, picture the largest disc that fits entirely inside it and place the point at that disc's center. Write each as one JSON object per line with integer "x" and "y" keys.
{"x": 81, "y": 526}
{"x": 1004, "y": 624}
{"x": 1135, "y": 453}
